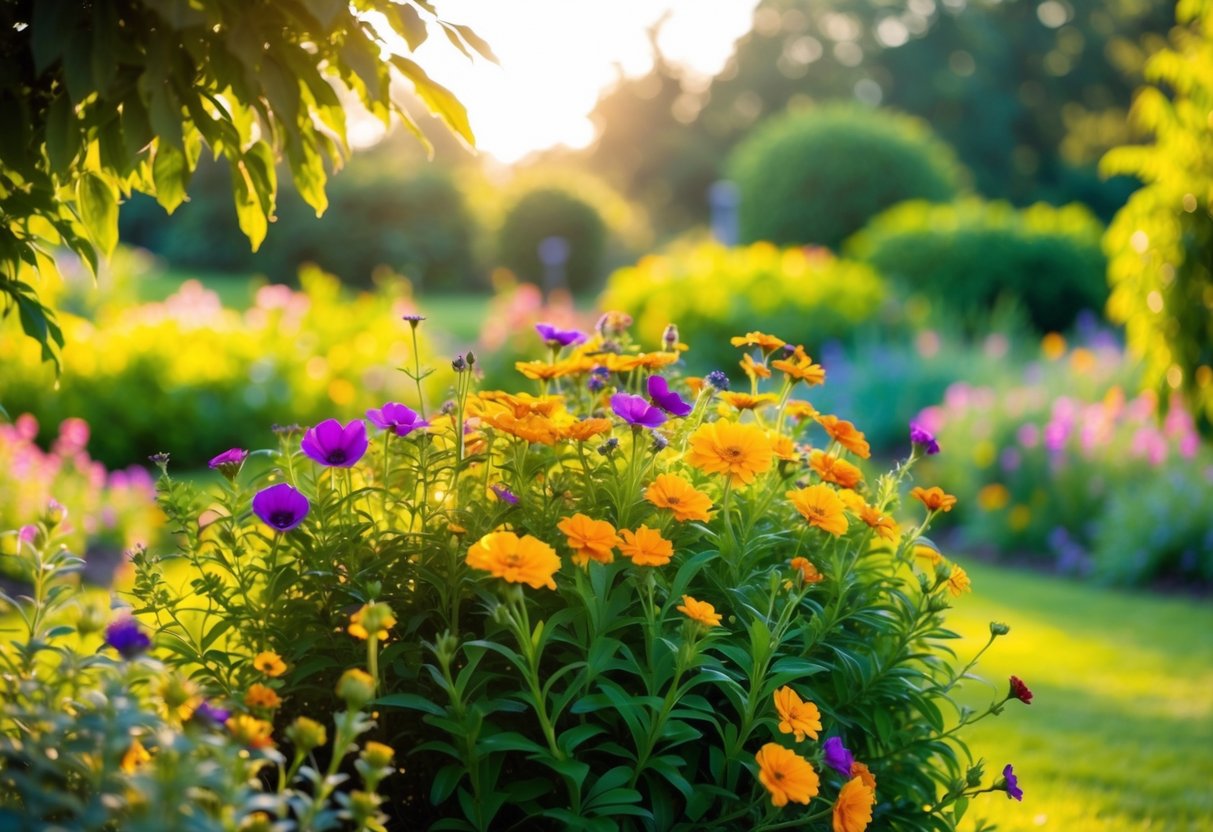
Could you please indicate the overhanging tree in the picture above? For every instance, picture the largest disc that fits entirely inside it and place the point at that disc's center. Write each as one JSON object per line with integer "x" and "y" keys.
{"x": 102, "y": 98}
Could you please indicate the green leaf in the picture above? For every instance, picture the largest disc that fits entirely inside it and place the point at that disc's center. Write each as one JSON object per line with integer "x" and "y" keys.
{"x": 170, "y": 175}
{"x": 444, "y": 783}
{"x": 440, "y": 101}
{"x": 411, "y": 26}
{"x": 98, "y": 203}
{"x": 62, "y": 134}
{"x": 251, "y": 218}
{"x": 412, "y": 702}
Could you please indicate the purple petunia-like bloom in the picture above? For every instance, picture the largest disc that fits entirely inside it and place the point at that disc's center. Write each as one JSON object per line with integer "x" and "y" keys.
{"x": 331, "y": 443}
{"x": 399, "y": 419}
{"x": 281, "y": 506}
{"x": 1013, "y": 790}
{"x": 233, "y": 456}
{"x": 837, "y": 756}
{"x": 554, "y": 337}
{"x": 663, "y": 397}
{"x": 504, "y": 494}
{"x": 127, "y": 637}
{"x": 206, "y": 712}
{"x": 635, "y": 410}
{"x": 921, "y": 436}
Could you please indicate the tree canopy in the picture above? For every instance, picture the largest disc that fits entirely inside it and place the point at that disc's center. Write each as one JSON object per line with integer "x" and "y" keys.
{"x": 111, "y": 97}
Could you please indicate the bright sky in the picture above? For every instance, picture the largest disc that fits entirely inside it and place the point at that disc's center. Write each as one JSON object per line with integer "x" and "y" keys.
{"x": 557, "y": 55}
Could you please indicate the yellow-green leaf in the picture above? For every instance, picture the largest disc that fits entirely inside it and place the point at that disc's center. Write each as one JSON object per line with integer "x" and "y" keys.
{"x": 98, "y": 203}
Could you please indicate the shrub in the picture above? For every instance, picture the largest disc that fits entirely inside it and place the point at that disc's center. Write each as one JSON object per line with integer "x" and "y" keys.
{"x": 967, "y": 255}
{"x": 548, "y": 212}
{"x": 817, "y": 176}
{"x": 712, "y": 292}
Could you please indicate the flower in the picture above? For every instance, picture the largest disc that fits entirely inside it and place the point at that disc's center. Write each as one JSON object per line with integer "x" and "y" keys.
{"x": 853, "y": 808}
{"x": 958, "y": 582}
{"x": 229, "y": 462}
{"x": 741, "y": 451}
{"x": 556, "y": 338}
{"x": 377, "y": 754}
{"x": 822, "y": 507}
{"x": 745, "y": 401}
{"x": 525, "y": 559}
{"x": 635, "y": 410}
{"x": 281, "y": 506}
{"x": 1012, "y": 784}
{"x": 717, "y": 380}
{"x": 1020, "y": 691}
{"x": 835, "y": 469}
{"x": 837, "y": 756}
{"x": 864, "y": 773}
{"x": 786, "y": 775}
{"x": 306, "y": 734}
{"x": 808, "y": 572}
{"x": 206, "y": 712}
{"x": 700, "y": 611}
{"x": 764, "y": 342}
{"x": 127, "y": 637}
{"x": 884, "y": 525}
{"x": 929, "y": 554}
{"x": 783, "y": 447}
{"x": 845, "y": 434}
{"x": 372, "y": 618}
{"x": 533, "y": 427}
{"x": 250, "y": 731}
{"x": 397, "y": 418}
{"x": 584, "y": 429}
{"x": 800, "y": 411}
{"x": 356, "y": 687}
{"x": 753, "y": 369}
{"x": 269, "y": 663}
{"x": 589, "y": 539}
{"x": 261, "y": 696}
{"x": 934, "y": 498}
{"x": 680, "y": 497}
{"x": 134, "y": 758}
{"x": 646, "y": 547}
{"x": 336, "y": 445}
{"x": 800, "y": 367}
{"x": 663, "y": 397}
{"x": 795, "y": 715}
{"x": 920, "y": 437}
{"x": 504, "y": 494}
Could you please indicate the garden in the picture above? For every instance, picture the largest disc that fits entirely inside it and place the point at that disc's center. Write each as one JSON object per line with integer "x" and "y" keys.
{"x": 821, "y": 438}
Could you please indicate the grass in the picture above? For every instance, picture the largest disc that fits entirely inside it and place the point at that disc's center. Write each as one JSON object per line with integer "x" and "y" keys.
{"x": 235, "y": 291}
{"x": 1119, "y": 736}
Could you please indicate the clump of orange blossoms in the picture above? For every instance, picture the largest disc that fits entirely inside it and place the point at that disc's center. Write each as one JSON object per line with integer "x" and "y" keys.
{"x": 589, "y": 539}
{"x": 822, "y": 507}
{"x": 934, "y": 498}
{"x": 683, "y": 500}
{"x": 646, "y": 547}
{"x": 518, "y": 560}
{"x": 741, "y": 451}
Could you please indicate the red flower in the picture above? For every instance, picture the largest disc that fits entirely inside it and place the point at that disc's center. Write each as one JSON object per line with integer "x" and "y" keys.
{"x": 1020, "y": 691}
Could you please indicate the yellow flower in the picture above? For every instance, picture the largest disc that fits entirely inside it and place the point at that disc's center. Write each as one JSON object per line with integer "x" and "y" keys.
{"x": 700, "y": 611}
{"x": 796, "y": 716}
{"x": 929, "y": 555}
{"x": 269, "y": 663}
{"x": 532, "y": 427}
{"x": 542, "y": 371}
{"x": 808, "y": 572}
{"x": 864, "y": 773}
{"x": 377, "y": 754}
{"x": 135, "y": 757}
{"x": 786, "y": 775}
{"x": 261, "y": 696}
{"x": 884, "y": 525}
{"x": 680, "y": 497}
{"x": 835, "y": 469}
{"x": 800, "y": 411}
{"x": 958, "y": 582}
{"x": 1053, "y": 346}
{"x": 822, "y": 507}
{"x": 993, "y": 497}
{"x": 754, "y": 369}
{"x": 377, "y": 618}
{"x": 783, "y": 447}
{"x": 589, "y": 539}
{"x": 745, "y": 401}
{"x": 525, "y": 560}
{"x": 521, "y": 404}
{"x": 741, "y": 451}
{"x": 584, "y": 429}
{"x": 800, "y": 367}
{"x": 845, "y": 434}
{"x": 250, "y": 731}
{"x": 764, "y": 342}
{"x": 853, "y": 809}
{"x": 934, "y": 498}
{"x": 646, "y": 547}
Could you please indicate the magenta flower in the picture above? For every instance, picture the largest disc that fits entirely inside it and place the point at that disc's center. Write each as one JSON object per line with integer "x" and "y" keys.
{"x": 663, "y": 397}
{"x": 1012, "y": 784}
{"x": 397, "y": 418}
{"x": 330, "y": 443}
{"x": 229, "y": 462}
{"x": 555, "y": 338}
{"x": 837, "y": 756}
{"x": 281, "y": 506}
{"x": 504, "y": 494}
{"x": 206, "y": 712}
{"x": 636, "y": 411}
{"x": 127, "y": 637}
{"x": 920, "y": 436}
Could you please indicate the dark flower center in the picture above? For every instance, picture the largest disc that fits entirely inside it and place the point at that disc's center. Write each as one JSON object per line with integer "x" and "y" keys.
{"x": 281, "y": 519}
{"x": 733, "y": 453}
{"x": 335, "y": 457}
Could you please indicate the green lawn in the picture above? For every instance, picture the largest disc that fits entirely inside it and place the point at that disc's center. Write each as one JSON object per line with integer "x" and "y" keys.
{"x": 1119, "y": 736}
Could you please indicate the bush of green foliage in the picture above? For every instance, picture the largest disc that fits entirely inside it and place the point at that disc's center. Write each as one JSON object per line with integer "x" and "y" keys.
{"x": 545, "y": 212}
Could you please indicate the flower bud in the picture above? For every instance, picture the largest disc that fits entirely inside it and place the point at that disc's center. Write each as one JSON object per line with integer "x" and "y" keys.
{"x": 669, "y": 338}
{"x": 356, "y": 687}
{"x": 460, "y": 364}
{"x": 471, "y": 357}
{"x": 413, "y": 320}
{"x": 378, "y": 755}
{"x": 660, "y": 443}
{"x": 160, "y": 460}
{"x": 608, "y": 447}
{"x": 974, "y": 774}
{"x": 55, "y": 514}
{"x": 997, "y": 628}
{"x": 363, "y": 806}
{"x": 717, "y": 380}
{"x": 306, "y": 734}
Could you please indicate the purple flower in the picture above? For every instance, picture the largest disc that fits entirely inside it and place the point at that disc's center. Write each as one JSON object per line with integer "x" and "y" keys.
{"x": 1013, "y": 790}
{"x": 921, "y": 436}
{"x": 397, "y": 418}
{"x": 504, "y": 494}
{"x": 598, "y": 378}
{"x": 554, "y": 337}
{"x": 229, "y": 462}
{"x": 281, "y": 506}
{"x": 636, "y": 411}
{"x": 718, "y": 380}
{"x": 329, "y": 443}
{"x": 206, "y": 712}
{"x": 127, "y": 637}
{"x": 663, "y": 397}
{"x": 837, "y": 756}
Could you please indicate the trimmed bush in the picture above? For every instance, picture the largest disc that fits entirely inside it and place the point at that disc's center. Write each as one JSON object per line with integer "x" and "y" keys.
{"x": 546, "y": 212}
{"x": 818, "y": 176}
{"x": 969, "y": 254}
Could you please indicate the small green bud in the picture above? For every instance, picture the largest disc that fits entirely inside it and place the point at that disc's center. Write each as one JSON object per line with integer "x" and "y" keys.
{"x": 356, "y": 687}
{"x": 997, "y": 628}
{"x": 975, "y": 773}
{"x": 306, "y": 734}
{"x": 378, "y": 755}
{"x": 363, "y": 806}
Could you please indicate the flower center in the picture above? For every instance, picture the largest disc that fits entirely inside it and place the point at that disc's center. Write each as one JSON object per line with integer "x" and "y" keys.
{"x": 336, "y": 457}
{"x": 732, "y": 452}
{"x": 281, "y": 519}
{"x": 673, "y": 500}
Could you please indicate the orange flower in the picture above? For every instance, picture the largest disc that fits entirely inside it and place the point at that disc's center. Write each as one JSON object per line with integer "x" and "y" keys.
{"x": 522, "y": 404}
{"x": 135, "y": 757}
{"x": 700, "y": 611}
{"x": 864, "y": 773}
{"x": 822, "y": 507}
{"x": 680, "y": 497}
{"x": 260, "y": 696}
{"x": 650, "y": 361}
{"x": 930, "y": 555}
{"x": 795, "y": 715}
{"x": 800, "y": 411}
{"x": 745, "y": 401}
{"x": 757, "y": 339}
{"x": 808, "y": 572}
{"x": 754, "y": 369}
{"x": 694, "y": 384}
{"x": 646, "y": 547}
{"x": 783, "y": 447}
{"x": 589, "y": 539}
{"x": 525, "y": 560}
{"x": 541, "y": 370}
{"x": 786, "y": 775}
{"x": 250, "y": 731}
{"x": 853, "y": 809}
{"x": 884, "y": 525}
{"x": 585, "y": 429}
{"x": 934, "y": 498}
{"x": 845, "y": 434}
{"x": 835, "y": 469}
{"x": 533, "y": 427}
{"x": 741, "y": 451}
{"x": 269, "y": 663}
{"x": 958, "y": 582}
{"x": 800, "y": 367}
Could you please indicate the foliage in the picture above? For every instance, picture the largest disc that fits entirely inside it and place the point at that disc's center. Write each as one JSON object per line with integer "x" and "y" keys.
{"x": 711, "y": 292}
{"x": 614, "y": 681}
{"x": 191, "y": 376}
{"x": 818, "y": 175}
{"x": 539, "y": 215}
{"x": 1160, "y": 245}
{"x": 967, "y": 255}
{"x": 122, "y": 97}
